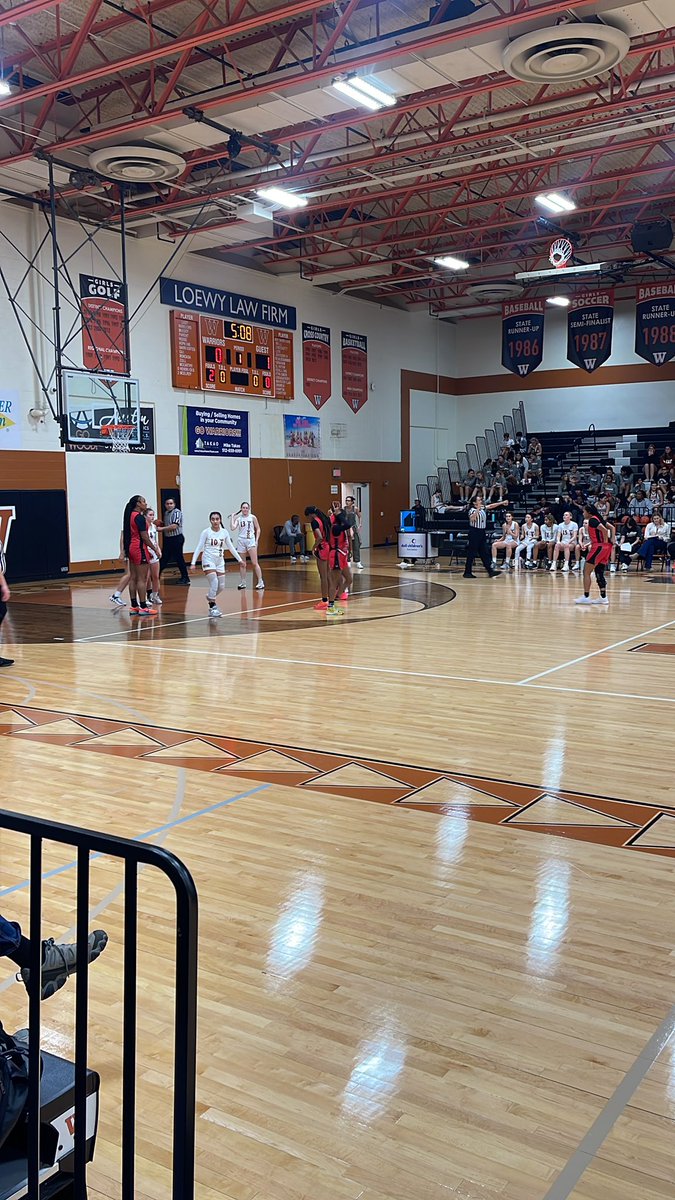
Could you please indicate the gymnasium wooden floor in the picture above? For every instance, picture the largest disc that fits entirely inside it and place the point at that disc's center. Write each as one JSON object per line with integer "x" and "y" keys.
{"x": 434, "y": 848}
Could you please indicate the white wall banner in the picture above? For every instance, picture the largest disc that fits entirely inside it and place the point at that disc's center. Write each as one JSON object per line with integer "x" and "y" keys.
{"x": 10, "y": 424}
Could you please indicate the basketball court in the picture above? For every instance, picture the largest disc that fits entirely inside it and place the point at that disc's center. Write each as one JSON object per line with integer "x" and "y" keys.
{"x": 435, "y": 949}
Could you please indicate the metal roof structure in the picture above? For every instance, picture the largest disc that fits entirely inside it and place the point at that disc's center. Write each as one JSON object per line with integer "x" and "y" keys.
{"x": 493, "y": 103}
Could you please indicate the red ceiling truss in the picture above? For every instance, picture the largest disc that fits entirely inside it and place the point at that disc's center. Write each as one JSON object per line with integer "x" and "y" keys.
{"x": 454, "y": 168}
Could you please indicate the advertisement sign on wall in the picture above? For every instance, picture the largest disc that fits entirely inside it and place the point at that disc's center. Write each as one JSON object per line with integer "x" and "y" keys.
{"x": 354, "y": 370}
{"x": 302, "y": 437}
{"x": 195, "y": 297}
{"x": 316, "y": 364}
{"x": 104, "y": 324}
{"x": 655, "y": 323}
{"x": 104, "y": 445}
{"x": 216, "y": 432}
{"x": 10, "y": 428}
{"x": 522, "y": 335}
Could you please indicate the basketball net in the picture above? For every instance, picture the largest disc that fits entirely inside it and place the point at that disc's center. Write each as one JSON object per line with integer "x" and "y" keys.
{"x": 120, "y": 436}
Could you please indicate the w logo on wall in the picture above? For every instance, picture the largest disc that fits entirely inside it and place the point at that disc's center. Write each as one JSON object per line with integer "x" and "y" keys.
{"x": 7, "y": 516}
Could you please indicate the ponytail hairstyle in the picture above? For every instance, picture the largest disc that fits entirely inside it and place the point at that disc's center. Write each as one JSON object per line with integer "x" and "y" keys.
{"x": 593, "y": 512}
{"x": 215, "y": 513}
{"x": 126, "y": 528}
{"x": 313, "y": 511}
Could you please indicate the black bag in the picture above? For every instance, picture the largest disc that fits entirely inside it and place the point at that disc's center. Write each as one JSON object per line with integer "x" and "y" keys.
{"x": 13, "y": 1083}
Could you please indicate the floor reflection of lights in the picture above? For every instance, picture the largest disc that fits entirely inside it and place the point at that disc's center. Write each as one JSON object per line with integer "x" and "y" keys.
{"x": 373, "y": 1080}
{"x": 296, "y": 929}
{"x": 550, "y": 917}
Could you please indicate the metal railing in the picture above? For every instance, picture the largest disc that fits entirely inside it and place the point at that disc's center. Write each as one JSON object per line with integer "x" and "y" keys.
{"x": 133, "y": 854}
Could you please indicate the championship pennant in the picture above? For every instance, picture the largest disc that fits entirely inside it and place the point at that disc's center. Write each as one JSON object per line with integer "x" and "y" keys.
{"x": 522, "y": 335}
{"x": 354, "y": 370}
{"x": 316, "y": 364}
{"x": 590, "y": 320}
{"x": 103, "y": 303}
{"x": 655, "y": 323}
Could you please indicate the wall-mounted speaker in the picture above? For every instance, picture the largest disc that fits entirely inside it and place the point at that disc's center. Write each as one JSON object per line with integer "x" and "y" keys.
{"x": 651, "y": 237}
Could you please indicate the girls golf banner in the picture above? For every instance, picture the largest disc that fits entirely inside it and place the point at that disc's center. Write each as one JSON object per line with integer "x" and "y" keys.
{"x": 522, "y": 335}
{"x": 354, "y": 370}
{"x": 655, "y": 323}
{"x": 316, "y": 364}
{"x": 103, "y": 303}
{"x": 590, "y": 320}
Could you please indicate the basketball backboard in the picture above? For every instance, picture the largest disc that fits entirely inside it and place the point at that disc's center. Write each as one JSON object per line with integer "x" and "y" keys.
{"x": 94, "y": 401}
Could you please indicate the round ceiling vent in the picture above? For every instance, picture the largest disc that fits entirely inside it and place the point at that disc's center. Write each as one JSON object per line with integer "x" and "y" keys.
{"x": 565, "y": 52}
{"x": 495, "y": 291}
{"x": 137, "y": 164}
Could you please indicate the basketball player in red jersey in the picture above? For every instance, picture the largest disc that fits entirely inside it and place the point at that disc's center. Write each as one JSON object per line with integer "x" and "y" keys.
{"x": 139, "y": 550}
{"x": 321, "y": 530}
{"x": 598, "y": 556}
{"x": 338, "y": 561}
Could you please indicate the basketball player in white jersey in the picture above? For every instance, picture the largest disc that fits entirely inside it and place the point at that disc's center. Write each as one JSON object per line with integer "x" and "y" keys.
{"x": 154, "y": 556}
{"x": 247, "y": 529}
{"x": 583, "y": 545}
{"x": 529, "y": 537}
{"x": 212, "y": 544}
{"x": 568, "y": 533}
{"x": 548, "y": 532}
{"x": 507, "y": 542}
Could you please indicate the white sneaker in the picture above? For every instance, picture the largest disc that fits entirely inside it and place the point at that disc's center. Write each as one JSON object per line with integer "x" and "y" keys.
{"x": 260, "y": 587}
{"x": 294, "y": 560}
{"x": 505, "y": 566}
{"x": 359, "y": 565}
{"x": 241, "y": 587}
{"x": 583, "y": 600}
{"x": 157, "y": 599}
{"x": 566, "y": 567}
{"x": 612, "y": 568}
{"x": 215, "y": 611}
{"x": 624, "y": 566}
{"x": 304, "y": 558}
{"x": 575, "y": 567}
{"x": 602, "y": 600}
{"x": 403, "y": 566}
{"x": 117, "y": 599}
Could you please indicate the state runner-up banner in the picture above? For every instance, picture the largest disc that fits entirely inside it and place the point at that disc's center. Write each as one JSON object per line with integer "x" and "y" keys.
{"x": 522, "y": 335}
{"x": 316, "y": 364}
{"x": 354, "y": 370}
{"x": 590, "y": 320}
{"x": 655, "y": 323}
{"x": 103, "y": 304}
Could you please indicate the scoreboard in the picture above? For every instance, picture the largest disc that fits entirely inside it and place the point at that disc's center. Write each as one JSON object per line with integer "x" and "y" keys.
{"x": 211, "y": 354}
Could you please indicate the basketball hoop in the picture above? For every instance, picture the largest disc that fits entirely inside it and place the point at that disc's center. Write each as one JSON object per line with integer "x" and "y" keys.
{"x": 560, "y": 253}
{"x": 120, "y": 436}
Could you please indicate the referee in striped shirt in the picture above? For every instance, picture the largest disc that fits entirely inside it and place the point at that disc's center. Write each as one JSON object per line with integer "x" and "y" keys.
{"x": 4, "y": 597}
{"x": 478, "y": 544}
{"x": 172, "y": 549}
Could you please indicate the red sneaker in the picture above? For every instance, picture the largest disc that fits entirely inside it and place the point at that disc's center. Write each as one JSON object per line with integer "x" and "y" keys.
{"x": 321, "y": 606}
{"x": 134, "y": 611}
{"x": 147, "y": 612}
{"x": 344, "y": 596}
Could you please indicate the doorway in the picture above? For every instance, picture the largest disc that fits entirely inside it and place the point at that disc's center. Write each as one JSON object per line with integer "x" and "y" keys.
{"x": 361, "y": 494}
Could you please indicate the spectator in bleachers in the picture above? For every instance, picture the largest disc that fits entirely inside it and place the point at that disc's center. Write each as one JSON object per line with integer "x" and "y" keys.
{"x": 629, "y": 539}
{"x": 534, "y": 472}
{"x": 604, "y": 506}
{"x": 568, "y": 531}
{"x": 609, "y": 484}
{"x": 529, "y": 538}
{"x": 507, "y": 441}
{"x": 535, "y": 447}
{"x": 498, "y": 485}
{"x": 667, "y": 464}
{"x": 438, "y": 506}
{"x": 651, "y": 462}
{"x": 657, "y": 537}
{"x": 507, "y": 542}
{"x": 468, "y": 484}
{"x": 548, "y": 532}
{"x": 594, "y": 481}
{"x": 638, "y": 503}
{"x": 521, "y": 441}
{"x": 626, "y": 478}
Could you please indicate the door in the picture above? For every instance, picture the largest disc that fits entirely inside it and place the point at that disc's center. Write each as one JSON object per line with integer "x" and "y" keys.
{"x": 361, "y": 494}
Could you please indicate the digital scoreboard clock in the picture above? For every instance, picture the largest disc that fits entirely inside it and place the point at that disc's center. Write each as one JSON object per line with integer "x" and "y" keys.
{"x": 213, "y": 355}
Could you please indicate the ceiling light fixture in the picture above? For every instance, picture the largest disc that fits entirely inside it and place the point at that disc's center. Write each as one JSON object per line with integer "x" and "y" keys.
{"x": 364, "y": 92}
{"x": 558, "y": 301}
{"x": 282, "y": 197}
{"x": 555, "y": 202}
{"x": 5, "y": 89}
{"x": 454, "y": 264}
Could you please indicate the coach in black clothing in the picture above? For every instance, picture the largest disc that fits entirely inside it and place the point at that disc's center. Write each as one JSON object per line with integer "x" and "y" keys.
{"x": 478, "y": 538}
{"x": 172, "y": 549}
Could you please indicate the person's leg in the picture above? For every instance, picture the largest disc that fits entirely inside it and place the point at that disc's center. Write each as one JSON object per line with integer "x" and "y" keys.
{"x": 180, "y": 560}
{"x": 357, "y": 548}
{"x": 470, "y": 555}
{"x": 4, "y": 662}
{"x": 123, "y": 583}
{"x": 484, "y": 553}
{"x": 253, "y": 553}
{"x": 496, "y": 546}
{"x": 212, "y": 592}
{"x": 647, "y": 553}
{"x": 322, "y": 568}
{"x": 168, "y": 553}
{"x": 601, "y": 582}
{"x": 154, "y": 581}
{"x": 347, "y": 579}
{"x": 566, "y": 555}
{"x": 588, "y": 573}
{"x": 139, "y": 573}
{"x": 10, "y": 938}
{"x": 242, "y": 567}
{"x": 59, "y": 960}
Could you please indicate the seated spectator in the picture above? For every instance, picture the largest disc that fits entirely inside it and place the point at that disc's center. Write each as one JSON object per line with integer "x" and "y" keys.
{"x": 535, "y": 447}
{"x": 534, "y": 471}
{"x": 507, "y": 442}
{"x": 468, "y": 484}
{"x": 498, "y": 486}
{"x": 521, "y": 441}
{"x": 420, "y": 514}
{"x": 626, "y": 478}
{"x": 438, "y": 506}
{"x": 657, "y": 537}
{"x": 539, "y": 513}
{"x": 292, "y": 535}
{"x": 639, "y": 505}
{"x": 630, "y": 539}
{"x": 566, "y": 541}
{"x": 609, "y": 484}
{"x": 572, "y": 480}
{"x": 548, "y": 532}
{"x": 667, "y": 464}
{"x": 594, "y": 480}
{"x": 604, "y": 506}
{"x": 651, "y": 462}
{"x": 583, "y": 545}
{"x": 507, "y": 542}
{"x": 529, "y": 538}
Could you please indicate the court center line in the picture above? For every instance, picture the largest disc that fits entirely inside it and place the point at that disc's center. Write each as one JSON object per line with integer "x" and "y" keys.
{"x": 590, "y": 1144}
{"x": 308, "y": 662}
{"x": 98, "y": 637}
{"x": 593, "y": 653}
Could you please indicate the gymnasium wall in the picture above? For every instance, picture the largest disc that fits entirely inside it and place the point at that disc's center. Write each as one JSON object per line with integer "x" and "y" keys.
{"x": 626, "y": 392}
{"x": 372, "y": 449}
